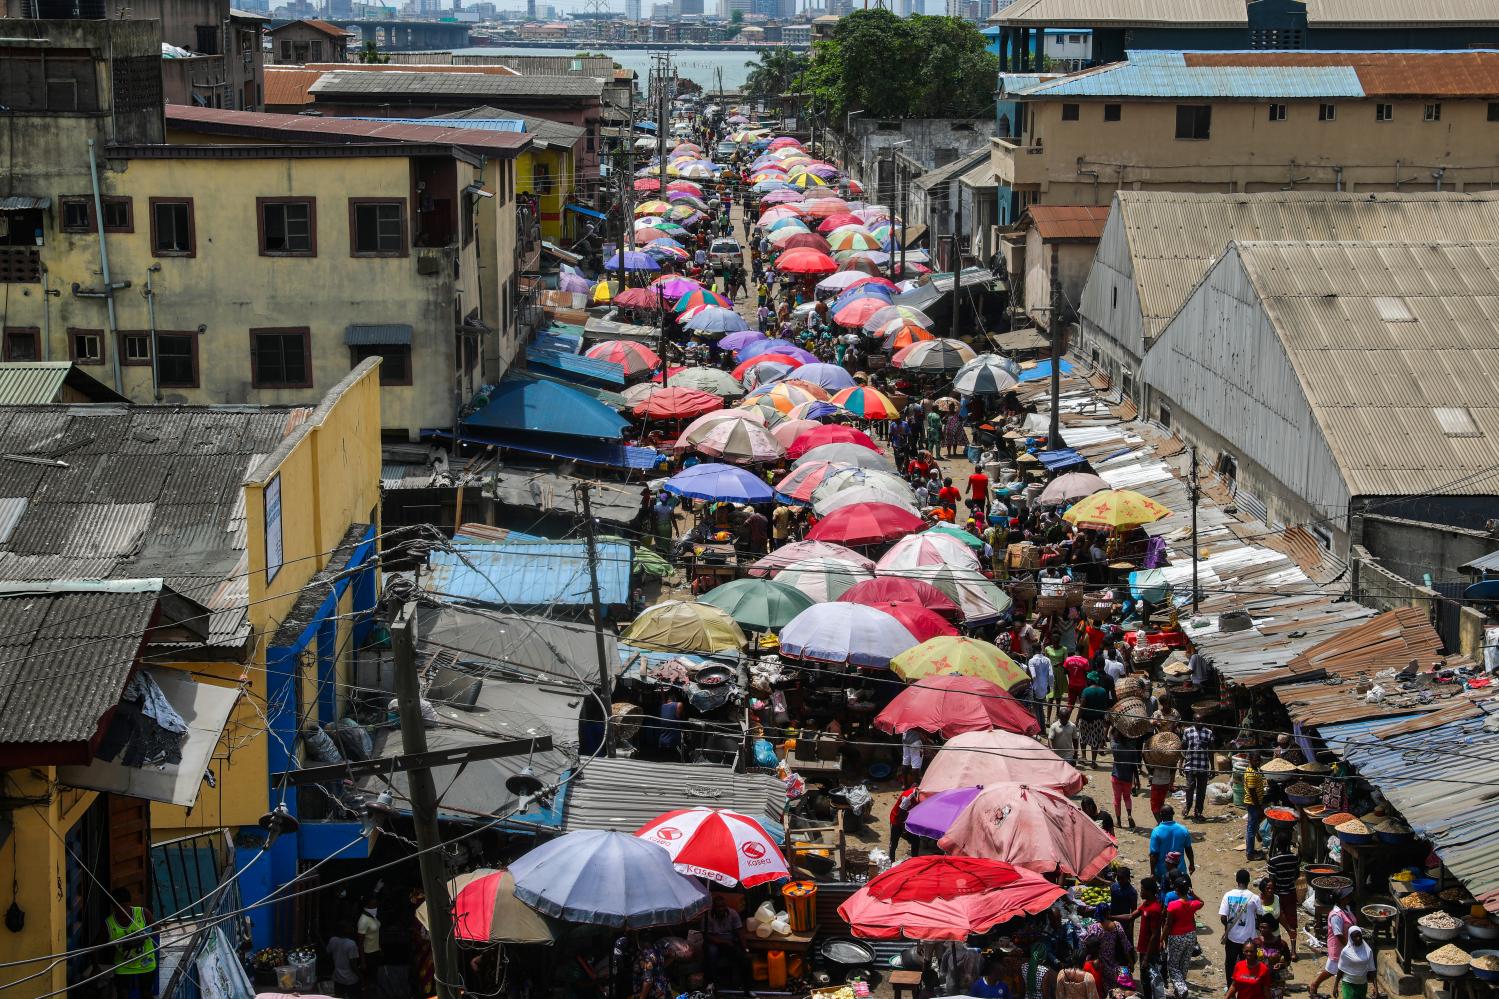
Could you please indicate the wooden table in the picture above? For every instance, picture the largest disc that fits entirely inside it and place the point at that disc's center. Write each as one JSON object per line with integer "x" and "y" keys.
{"x": 792, "y": 943}
{"x": 718, "y": 562}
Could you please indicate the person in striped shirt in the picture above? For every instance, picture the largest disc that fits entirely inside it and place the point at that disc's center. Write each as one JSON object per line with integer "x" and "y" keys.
{"x": 1254, "y": 805}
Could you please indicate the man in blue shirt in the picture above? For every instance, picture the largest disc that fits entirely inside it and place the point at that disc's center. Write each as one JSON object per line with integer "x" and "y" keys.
{"x": 1170, "y": 836}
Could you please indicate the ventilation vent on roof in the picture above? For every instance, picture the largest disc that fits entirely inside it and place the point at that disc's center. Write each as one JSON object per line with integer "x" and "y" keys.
{"x": 1394, "y": 310}
{"x": 1456, "y": 421}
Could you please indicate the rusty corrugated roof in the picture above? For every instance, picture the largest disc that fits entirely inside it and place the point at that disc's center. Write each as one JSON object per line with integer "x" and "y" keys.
{"x": 1384, "y": 74}
{"x": 286, "y": 86}
{"x": 1386, "y": 640}
{"x": 316, "y": 24}
{"x": 1066, "y": 222}
{"x": 309, "y": 128}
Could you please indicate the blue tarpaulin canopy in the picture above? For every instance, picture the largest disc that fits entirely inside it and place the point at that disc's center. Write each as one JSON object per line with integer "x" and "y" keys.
{"x": 584, "y": 210}
{"x": 575, "y": 367}
{"x": 589, "y": 452}
{"x": 530, "y": 404}
{"x": 1043, "y": 370}
{"x": 1064, "y": 458}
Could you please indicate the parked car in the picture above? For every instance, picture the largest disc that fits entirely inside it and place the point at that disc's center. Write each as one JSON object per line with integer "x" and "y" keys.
{"x": 725, "y": 250}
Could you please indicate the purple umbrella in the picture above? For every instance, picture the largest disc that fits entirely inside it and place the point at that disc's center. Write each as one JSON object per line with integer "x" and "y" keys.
{"x": 823, "y": 170}
{"x": 574, "y": 283}
{"x": 934, "y": 816}
{"x": 716, "y": 481}
{"x": 832, "y": 377}
{"x": 635, "y": 260}
{"x": 769, "y": 371}
{"x": 775, "y": 346}
{"x": 779, "y": 195}
{"x": 740, "y": 340}
{"x": 675, "y": 287}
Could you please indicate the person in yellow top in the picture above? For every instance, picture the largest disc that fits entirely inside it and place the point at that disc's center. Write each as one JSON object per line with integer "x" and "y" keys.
{"x": 134, "y": 955}
{"x": 1254, "y": 805}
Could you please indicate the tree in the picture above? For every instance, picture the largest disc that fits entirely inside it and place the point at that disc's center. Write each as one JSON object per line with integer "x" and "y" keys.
{"x": 775, "y": 73}
{"x": 371, "y": 54}
{"x": 736, "y": 17}
{"x": 895, "y": 67}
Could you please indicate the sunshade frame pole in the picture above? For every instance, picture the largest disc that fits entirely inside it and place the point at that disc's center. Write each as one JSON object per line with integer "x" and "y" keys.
{"x": 1194, "y": 492}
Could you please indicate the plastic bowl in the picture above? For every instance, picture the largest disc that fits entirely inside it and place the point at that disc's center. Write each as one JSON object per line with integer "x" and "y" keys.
{"x": 1482, "y": 932}
{"x": 880, "y": 771}
{"x": 1357, "y": 839}
{"x": 1442, "y": 936}
{"x": 1448, "y": 970}
{"x": 1421, "y": 884}
{"x": 1302, "y": 800}
{"x": 1481, "y": 974}
{"x": 1378, "y": 912}
{"x": 1395, "y": 839}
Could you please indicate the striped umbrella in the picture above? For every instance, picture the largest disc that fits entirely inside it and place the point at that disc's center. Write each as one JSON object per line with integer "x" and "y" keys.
{"x": 866, "y": 403}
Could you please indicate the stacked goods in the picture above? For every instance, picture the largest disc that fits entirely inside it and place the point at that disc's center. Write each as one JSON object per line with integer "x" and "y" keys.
{"x": 1417, "y": 900}
{"x": 1279, "y": 769}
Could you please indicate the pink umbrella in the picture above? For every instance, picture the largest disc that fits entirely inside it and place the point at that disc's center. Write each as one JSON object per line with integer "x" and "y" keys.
{"x": 634, "y": 358}
{"x": 717, "y": 844}
{"x": 950, "y": 705}
{"x": 865, "y": 524}
{"x": 674, "y": 287}
{"x": 945, "y": 898}
{"x": 804, "y": 480}
{"x": 919, "y": 621}
{"x": 927, "y": 549}
{"x": 800, "y": 551}
{"x": 978, "y": 759}
{"x": 887, "y": 589}
{"x": 832, "y": 433}
{"x": 860, "y": 309}
{"x": 787, "y": 432}
{"x": 805, "y": 261}
{"x": 1031, "y": 826}
{"x": 741, "y": 442}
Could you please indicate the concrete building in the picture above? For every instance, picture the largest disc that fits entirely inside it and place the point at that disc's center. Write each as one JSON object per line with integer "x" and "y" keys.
{"x": 873, "y": 145}
{"x": 1254, "y": 121}
{"x": 797, "y": 35}
{"x": 1198, "y": 25}
{"x": 632, "y": 10}
{"x": 1323, "y": 381}
{"x": 1053, "y": 243}
{"x": 932, "y": 199}
{"x": 309, "y": 40}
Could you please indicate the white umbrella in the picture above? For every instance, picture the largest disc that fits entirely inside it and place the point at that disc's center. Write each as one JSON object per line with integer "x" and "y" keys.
{"x": 925, "y": 549}
{"x": 846, "y": 633}
{"x": 823, "y": 579}
{"x": 863, "y": 494}
{"x": 974, "y": 592}
{"x": 991, "y": 373}
{"x": 699, "y": 428}
{"x": 847, "y": 454}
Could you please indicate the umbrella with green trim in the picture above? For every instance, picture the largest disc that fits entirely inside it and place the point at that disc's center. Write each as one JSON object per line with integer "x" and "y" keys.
{"x": 959, "y": 533}
{"x": 758, "y": 604}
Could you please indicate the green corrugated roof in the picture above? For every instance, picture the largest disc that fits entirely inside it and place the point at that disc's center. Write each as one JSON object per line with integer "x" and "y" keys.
{"x": 36, "y": 383}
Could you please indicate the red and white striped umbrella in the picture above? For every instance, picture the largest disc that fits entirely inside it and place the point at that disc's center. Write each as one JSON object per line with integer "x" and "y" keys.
{"x": 717, "y": 844}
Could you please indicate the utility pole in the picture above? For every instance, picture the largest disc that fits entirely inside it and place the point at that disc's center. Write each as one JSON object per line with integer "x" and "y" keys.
{"x": 1054, "y": 327}
{"x": 957, "y": 271}
{"x": 661, "y": 338}
{"x": 424, "y": 803}
{"x": 1195, "y": 493}
{"x": 901, "y": 228}
{"x": 606, "y": 688}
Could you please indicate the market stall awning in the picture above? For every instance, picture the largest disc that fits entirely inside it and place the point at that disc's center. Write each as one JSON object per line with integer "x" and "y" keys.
{"x": 536, "y": 406}
{"x": 1064, "y": 458}
{"x": 584, "y": 211}
{"x": 575, "y": 366}
{"x": 624, "y": 794}
{"x": 531, "y": 574}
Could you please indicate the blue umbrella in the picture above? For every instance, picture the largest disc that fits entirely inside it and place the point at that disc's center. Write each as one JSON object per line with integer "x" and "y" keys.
{"x": 1149, "y": 584}
{"x": 862, "y": 291}
{"x": 635, "y": 260}
{"x": 715, "y": 319}
{"x": 606, "y": 878}
{"x": 717, "y": 481}
{"x": 740, "y": 340}
{"x": 832, "y": 377}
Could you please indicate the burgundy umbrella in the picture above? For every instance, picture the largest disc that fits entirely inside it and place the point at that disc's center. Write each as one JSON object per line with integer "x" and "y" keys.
{"x": 887, "y": 589}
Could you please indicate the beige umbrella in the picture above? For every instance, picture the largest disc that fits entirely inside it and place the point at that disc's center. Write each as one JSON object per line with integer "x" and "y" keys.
{"x": 485, "y": 910}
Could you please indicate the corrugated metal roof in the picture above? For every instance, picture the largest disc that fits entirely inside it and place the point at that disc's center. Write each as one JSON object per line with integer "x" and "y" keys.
{"x": 1384, "y": 74}
{"x": 1169, "y": 75}
{"x": 377, "y": 334}
{"x": 1485, "y": 563}
{"x": 556, "y": 650}
{"x": 548, "y": 491}
{"x": 316, "y": 128}
{"x": 624, "y": 795}
{"x": 531, "y": 574}
{"x": 1082, "y": 222}
{"x": 947, "y": 172}
{"x": 1392, "y": 638}
{"x": 528, "y": 404}
{"x": 1364, "y": 376}
{"x": 347, "y": 82}
{"x": 575, "y": 364}
{"x": 24, "y": 202}
{"x": 1231, "y": 13}
{"x": 286, "y": 86}
{"x": 30, "y": 383}
{"x": 331, "y": 30}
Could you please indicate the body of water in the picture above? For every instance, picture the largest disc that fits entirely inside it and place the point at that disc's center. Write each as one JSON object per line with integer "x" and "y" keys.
{"x": 702, "y": 68}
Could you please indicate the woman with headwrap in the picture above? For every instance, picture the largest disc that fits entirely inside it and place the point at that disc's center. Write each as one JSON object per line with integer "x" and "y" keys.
{"x": 1093, "y": 723}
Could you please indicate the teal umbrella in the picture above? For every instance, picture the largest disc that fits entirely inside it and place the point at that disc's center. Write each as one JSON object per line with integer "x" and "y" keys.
{"x": 959, "y": 533}
{"x": 758, "y": 604}
{"x": 1150, "y": 584}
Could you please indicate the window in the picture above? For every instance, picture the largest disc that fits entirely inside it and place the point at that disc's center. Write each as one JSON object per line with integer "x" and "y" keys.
{"x": 1493, "y": 111}
{"x": 1277, "y": 112}
{"x": 177, "y": 360}
{"x": 1164, "y": 417}
{"x": 279, "y": 358}
{"x": 1227, "y": 467}
{"x": 86, "y": 346}
{"x": 135, "y": 348}
{"x": 395, "y": 361}
{"x": 1384, "y": 112}
{"x": 1070, "y": 112}
{"x": 285, "y": 50}
{"x": 78, "y": 214}
{"x": 377, "y": 228}
{"x": 1433, "y": 113}
{"x": 1194, "y": 121}
{"x": 541, "y": 178}
{"x": 22, "y": 343}
{"x": 208, "y": 38}
{"x": 288, "y": 228}
{"x": 1327, "y": 112}
{"x": 172, "y": 227}
{"x": 317, "y": 51}
{"x": 1112, "y": 112}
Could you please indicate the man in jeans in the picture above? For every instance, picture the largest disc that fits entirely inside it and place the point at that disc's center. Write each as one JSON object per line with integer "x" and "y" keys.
{"x": 1197, "y": 764}
{"x": 1254, "y": 806}
{"x": 1240, "y": 912}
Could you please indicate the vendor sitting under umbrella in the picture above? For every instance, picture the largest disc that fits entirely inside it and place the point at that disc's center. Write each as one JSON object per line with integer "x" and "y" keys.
{"x": 723, "y": 932}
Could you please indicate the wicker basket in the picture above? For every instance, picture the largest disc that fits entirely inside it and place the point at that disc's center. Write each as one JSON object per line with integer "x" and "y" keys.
{"x": 1164, "y": 749}
{"x": 1023, "y": 591}
{"x": 1131, "y": 688}
{"x": 1051, "y": 603}
{"x": 1131, "y": 717}
{"x": 627, "y": 719}
{"x": 1075, "y": 594}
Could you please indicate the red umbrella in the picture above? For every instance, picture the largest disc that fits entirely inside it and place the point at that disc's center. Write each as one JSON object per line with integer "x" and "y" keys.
{"x": 897, "y": 589}
{"x": 919, "y": 621}
{"x": 862, "y": 262}
{"x": 855, "y": 313}
{"x": 832, "y": 433}
{"x": 824, "y": 207}
{"x": 676, "y": 403}
{"x": 785, "y": 359}
{"x": 806, "y": 241}
{"x": 945, "y": 898}
{"x": 647, "y": 184}
{"x": 950, "y": 705}
{"x": 832, "y": 222}
{"x": 717, "y": 844}
{"x": 805, "y": 261}
{"x": 638, "y": 298}
{"x": 865, "y": 524}
{"x": 635, "y": 358}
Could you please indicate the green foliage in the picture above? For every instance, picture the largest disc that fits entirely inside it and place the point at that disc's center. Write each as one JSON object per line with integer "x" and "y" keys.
{"x": 895, "y": 67}
{"x": 776, "y": 73}
{"x": 736, "y": 17}
{"x": 370, "y": 54}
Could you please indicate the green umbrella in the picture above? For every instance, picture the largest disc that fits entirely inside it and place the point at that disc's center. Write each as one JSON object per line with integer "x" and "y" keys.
{"x": 713, "y": 380}
{"x": 959, "y": 533}
{"x": 758, "y": 604}
{"x": 648, "y": 561}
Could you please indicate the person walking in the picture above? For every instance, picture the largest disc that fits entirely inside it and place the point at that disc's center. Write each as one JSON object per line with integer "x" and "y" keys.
{"x": 1239, "y": 912}
{"x": 134, "y": 952}
{"x": 1197, "y": 764}
{"x": 1124, "y": 774}
{"x": 343, "y": 952}
{"x": 1339, "y": 924}
{"x": 1151, "y": 941}
{"x": 1181, "y": 938}
{"x": 1254, "y": 805}
{"x": 1039, "y": 667}
{"x": 1250, "y": 976}
{"x": 1356, "y": 968}
{"x": 1062, "y": 735}
{"x": 1285, "y": 868}
{"x": 1170, "y": 839}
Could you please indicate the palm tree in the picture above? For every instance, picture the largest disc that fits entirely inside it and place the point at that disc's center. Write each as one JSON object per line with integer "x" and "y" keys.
{"x": 775, "y": 73}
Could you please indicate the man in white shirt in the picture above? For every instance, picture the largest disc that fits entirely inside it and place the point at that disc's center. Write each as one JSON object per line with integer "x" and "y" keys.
{"x": 1039, "y": 667}
{"x": 1240, "y": 912}
{"x": 1063, "y": 735}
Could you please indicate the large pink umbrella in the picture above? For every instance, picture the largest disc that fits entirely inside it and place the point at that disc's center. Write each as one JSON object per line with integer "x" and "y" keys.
{"x": 634, "y": 358}
{"x": 800, "y": 551}
{"x": 945, "y": 898}
{"x": 926, "y": 549}
{"x": 978, "y": 759}
{"x": 950, "y": 705}
{"x": 832, "y": 433}
{"x": 887, "y": 589}
{"x": 1033, "y": 827}
{"x": 865, "y": 524}
{"x": 804, "y": 479}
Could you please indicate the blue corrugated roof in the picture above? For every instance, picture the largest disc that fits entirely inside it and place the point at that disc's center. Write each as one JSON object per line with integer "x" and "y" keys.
{"x": 530, "y": 404}
{"x": 553, "y": 339}
{"x": 575, "y": 365}
{"x": 1166, "y": 74}
{"x": 531, "y": 574}
{"x": 1063, "y": 458}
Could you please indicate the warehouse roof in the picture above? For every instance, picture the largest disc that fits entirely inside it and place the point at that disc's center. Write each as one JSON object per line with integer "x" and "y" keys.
{"x": 1232, "y": 13}
{"x": 331, "y": 30}
{"x": 26, "y": 383}
{"x": 1173, "y": 237}
{"x": 531, "y": 574}
{"x": 544, "y": 132}
{"x": 353, "y": 83}
{"x": 625, "y": 794}
{"x": 319, "y": 129}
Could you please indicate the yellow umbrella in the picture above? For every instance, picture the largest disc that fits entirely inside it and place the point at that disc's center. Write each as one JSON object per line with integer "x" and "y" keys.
{"x": 680, "y": 626}
{"x": 602, "y": 292}
{"x": 653, "y": 207}
{"x": 1115, "y": 509}
{"x": 965, "y": 656}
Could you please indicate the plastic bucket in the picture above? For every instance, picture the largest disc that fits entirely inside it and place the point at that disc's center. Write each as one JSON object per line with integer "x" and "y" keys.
{"x": 286, "y": 977}
{"x": 305, "y": 973}
{"x": 801, "y": 905}
{"x": 775, "y": 969}
{"x": 1241, "y": 764}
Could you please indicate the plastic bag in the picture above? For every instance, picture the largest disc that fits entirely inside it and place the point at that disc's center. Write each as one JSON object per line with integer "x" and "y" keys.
{"x": 796, "y": 785}
{"x": 858, "y": 797}
{"x": 765, "y": 754}
{"x": 1375, "y": 694}
{"x": 778, "y": 705}
{"x": 1220, "y": 794}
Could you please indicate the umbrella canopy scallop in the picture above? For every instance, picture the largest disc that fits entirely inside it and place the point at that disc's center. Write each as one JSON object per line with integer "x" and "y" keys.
{"x": 949, "y": 705}
{"x": 1070, "y": 488}
{"x": 987, "y": 373}
{"x": 830, "y": 499}
{"x": 805, "y": 262}
{"x": 684, "y": 626}
{"x": 797, "y": 551}
{"x": 695, "y": 431}
{"x": 714, "y": 381}
{"x": 604, "y": 878}
{"x": 846, "y": 633}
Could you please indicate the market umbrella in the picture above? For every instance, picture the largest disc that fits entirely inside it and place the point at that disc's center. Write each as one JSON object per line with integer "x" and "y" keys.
{"x": 758, "y": 604}
{"x": 945, "y": 898}
{"x": 862, "y": 262}
{"x": 822, "y": 579}
{"x": 866, "y": 403}
{"x": 717, "y": 844}
{"x": 980, "y": 598}
{"x": 904, "y": 335}
{"x": 635, "y": 260}
{"x": 979, "y": 759}
{"x": 965, "y": 656}
{"x": 831, "y": 433}
{"x": 652, "y": 206}
{"x": 1031, "y": 826}
{"x": 790, "y": 429}
{"x": 1150, "y": 584}
{"x": 898, "y": 313}
{"x": 485, "y": 910}
{"x": 961, "y": 534}
{"x": 603, "y": 292}
{"x": 842, "y": 220}
{"x": 804, "y": 262}
{"x": 773, "y": 357}
{"x": 856, "y": 312}
{"x": 934, "y": 815}
{"x": 701, "y": 296}
{"x": 741, "y": 339}
{"x": 833, "y": 377}
{"x": 698, "y": 429}
{"x": 848, "y": 454}
{"x": 716, "y": 319}
{"x": 815, "y": 410}
{"x": 676, "y": 402}
{"x": 843, "y": 280}
{"x": 926, "y": 549}
{"x": 803, "y": 481}
{"x": 987, "y": 373}
{"x": 805, "y": 241}
{"x": 791, "y": 391}
{"x": 845, "y": 633}
{"x": 713, "y": 380}
{"x": 949, "y": 705}
{"x": 765, "y": 345}
{"x": 827, "y": 501}
{"x": 606, "y": 878}
{"x": 638, "y": 298}
{"x": 867, "y": 524}
{"x": 1070, "y": 488}
{"x": 893, "y": 589}
{"x": 853, "y": 239}
{"x": 920, "y": 622}
{"x": 684, "y": 626}
{"x": 635, "y": 358}
{"x": 797, "y": 551}
{"x": 717, "y": 481}
{"x": 1115, "y": 509}
{"x": 574, "y": 283}
{"x": 933, "y": 356}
